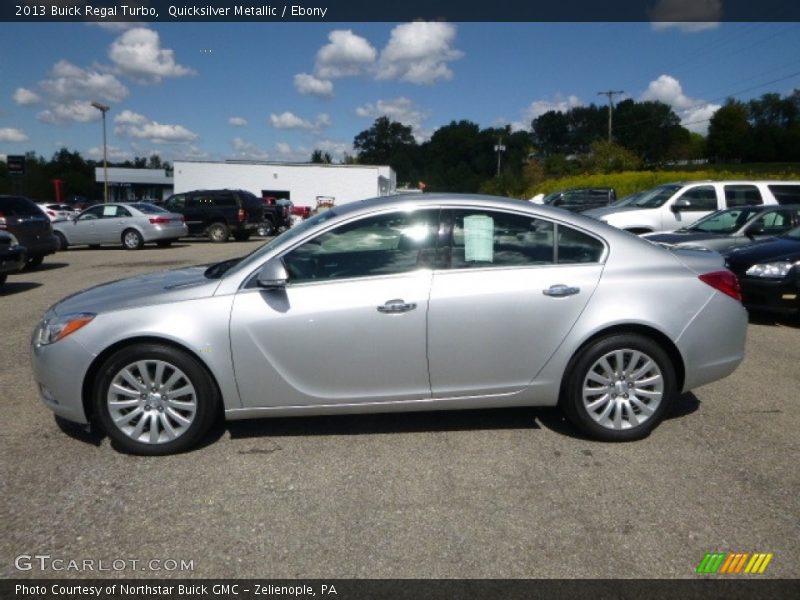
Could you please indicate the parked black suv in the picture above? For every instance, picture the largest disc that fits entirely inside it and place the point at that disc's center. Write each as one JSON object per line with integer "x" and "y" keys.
{"x": 26, "y": 221}
{"x": 580, "y": 199}
{"x": 218, "y": 213}
{"x": 12, "y": 256}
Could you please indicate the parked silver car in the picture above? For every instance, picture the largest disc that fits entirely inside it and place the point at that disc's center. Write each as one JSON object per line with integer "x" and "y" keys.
{"x": 130, "y": 224}
{"x": 397, "y": 304}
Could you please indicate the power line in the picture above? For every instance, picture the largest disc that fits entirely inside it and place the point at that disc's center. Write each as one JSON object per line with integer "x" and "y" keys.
{"x": 610, "y": 94}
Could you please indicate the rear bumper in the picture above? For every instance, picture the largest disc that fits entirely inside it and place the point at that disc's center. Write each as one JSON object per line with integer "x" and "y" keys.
{"x": 46, "y": 244}
{"x": 164, "y": 232}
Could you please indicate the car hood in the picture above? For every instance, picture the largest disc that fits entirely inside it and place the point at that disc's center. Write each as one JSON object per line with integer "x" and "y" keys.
{"x": 143, "y": 290}
{"x": 597, "y": 213}
{"x": 781, "y": 248}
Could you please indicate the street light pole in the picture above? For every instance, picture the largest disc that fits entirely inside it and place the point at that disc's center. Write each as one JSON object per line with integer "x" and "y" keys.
{"x": 499, "y": 148}
{"x": 104, "y": 109}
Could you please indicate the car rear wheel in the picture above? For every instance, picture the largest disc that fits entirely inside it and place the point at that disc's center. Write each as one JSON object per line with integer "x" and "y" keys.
{"x": 132, "y": 239}
{"x": 619, "y": 388}
{"x": 265, "y": 229}
{"x": 154, "y": 399}
{"x": 218, "y": 232}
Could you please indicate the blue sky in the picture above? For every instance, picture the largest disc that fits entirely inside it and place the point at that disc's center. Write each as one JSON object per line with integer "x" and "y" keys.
{"x": 275, "y": 92}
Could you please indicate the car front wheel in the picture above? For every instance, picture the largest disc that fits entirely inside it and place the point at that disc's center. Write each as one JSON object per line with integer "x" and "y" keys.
{"x": 154, "y": 399}
{"x": 218, "y": 232}
{"x": 619, "y": 387}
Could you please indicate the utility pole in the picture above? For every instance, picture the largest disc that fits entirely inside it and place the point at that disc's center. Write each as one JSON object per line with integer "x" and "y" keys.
{"x": 610, "y": 94}
{"x": 499, "y": 148}
{"x": 104, "y": 109}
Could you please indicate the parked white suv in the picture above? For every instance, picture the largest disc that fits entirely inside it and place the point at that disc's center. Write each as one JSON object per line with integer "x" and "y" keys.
{"x": 675, "y": 205}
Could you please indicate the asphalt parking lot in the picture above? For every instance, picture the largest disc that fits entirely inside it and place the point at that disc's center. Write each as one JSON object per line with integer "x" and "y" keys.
{"x": 475, "y": 494}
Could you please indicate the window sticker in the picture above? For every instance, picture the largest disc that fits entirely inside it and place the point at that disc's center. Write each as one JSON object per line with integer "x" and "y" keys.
{"x": 478, "y": 238}
{"x": 109, "y": 211}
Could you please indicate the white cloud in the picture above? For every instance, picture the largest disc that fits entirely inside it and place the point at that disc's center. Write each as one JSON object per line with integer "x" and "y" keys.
{"x": 337, "y": 150}
{"x": 401, "y": 110}
{"x": 25, "y": 97}
{"x": 138, "y": 54}
{"x": 138, "y": 126}
{"x": 694, "y": 113}
{"x": 293, "y": 154}
{"x": 690, "y": 16}
{"x": 128, "y": 117}
{"x": 79, "y": 111}
{"x": 419, "y": 53}
{"x": 70, "y": 82}
{"x": 289, "y": 120}
{"x": 539, "y": 107}
{"x": 10, "y": 134}
{"x": 237, "y": 121}
{"x": 308, "y": 84}
{"x": 115, "y": 153}
{"x": 346, "y": 55}
{"x": 248, "y": 150}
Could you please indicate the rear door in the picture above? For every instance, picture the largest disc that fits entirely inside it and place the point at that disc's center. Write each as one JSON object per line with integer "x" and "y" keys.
{"x": 515, "y": 287}
{"x": 21, "y": 217}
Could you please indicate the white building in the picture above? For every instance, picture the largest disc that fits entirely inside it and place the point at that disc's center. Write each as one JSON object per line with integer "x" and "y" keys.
{"x": 304, "y": 184}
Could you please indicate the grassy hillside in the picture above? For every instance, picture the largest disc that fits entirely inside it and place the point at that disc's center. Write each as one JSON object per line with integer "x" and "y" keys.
{"x": 634, "y": 181}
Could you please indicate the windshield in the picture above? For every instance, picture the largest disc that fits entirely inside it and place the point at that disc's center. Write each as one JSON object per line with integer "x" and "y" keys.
{"x": 724, "y": 221}
{"x": 219, "y": 269}
{"x": 629, "y": 199}
{"x": 656, "y": 197}
{"x": 550, "y": 197}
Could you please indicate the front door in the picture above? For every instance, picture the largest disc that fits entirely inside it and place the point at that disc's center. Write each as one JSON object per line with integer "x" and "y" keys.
{"x": 350, "y": 325}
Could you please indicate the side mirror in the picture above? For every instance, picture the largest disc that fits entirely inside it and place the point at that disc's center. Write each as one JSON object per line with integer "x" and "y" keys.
{"x": 755, "y": 229}
{"x": 272, "y": 275}
{"x": 680, "y": 204}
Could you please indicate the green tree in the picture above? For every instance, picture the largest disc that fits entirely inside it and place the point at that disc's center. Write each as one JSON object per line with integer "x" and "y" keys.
{"x": 608, "y": 157}
{"x": 729, "y": 132}
{"x": 318, "y": 157}
{"x": 390, "y": 143}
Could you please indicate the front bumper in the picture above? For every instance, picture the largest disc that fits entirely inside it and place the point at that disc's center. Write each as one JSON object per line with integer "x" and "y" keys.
{"x": 778, "y": 296}
{"x": 13, "y": 260}
{"x": 59, "y": 370}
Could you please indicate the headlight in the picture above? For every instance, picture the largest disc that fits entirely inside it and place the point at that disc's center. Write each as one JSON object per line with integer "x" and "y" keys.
{"x": 772, "y": 270}
{"x": 57, "y": 328}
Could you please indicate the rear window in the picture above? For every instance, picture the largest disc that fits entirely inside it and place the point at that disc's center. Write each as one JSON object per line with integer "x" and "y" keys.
{"x": 147, "y": 208}
{"x": 19, "y": 207}
{"x": 786, "y": 194}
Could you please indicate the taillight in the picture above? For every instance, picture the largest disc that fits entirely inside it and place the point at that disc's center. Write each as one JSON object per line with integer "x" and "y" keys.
{"x": 160, "y": 220}
{"x": 242, "y": 215}
{"x": 725, "y": 282}
{"x": 2, "y": 221}
{"x": 51, "y": 213}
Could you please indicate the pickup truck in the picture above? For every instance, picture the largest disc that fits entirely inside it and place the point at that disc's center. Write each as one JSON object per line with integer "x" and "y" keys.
{"x": 277, "y": 216}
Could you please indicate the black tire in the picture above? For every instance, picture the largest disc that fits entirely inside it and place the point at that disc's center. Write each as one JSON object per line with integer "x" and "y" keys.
{"x": 265, "y": 229}
{"x": 34, "y": 262}
{"x": 62, "y": 241}
{"x": 164, "y": 243}
{"x": 627, "y": 399}
{"x": 132, "y": 240}
{"x": 205, "y": 400}
{"x": 218, "y": 232}
{"x": 241, "y": 236}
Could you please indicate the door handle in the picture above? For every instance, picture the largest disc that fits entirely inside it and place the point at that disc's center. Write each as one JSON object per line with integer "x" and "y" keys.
{"x": 560, "y": 290}
{"x": 396, "y": 306}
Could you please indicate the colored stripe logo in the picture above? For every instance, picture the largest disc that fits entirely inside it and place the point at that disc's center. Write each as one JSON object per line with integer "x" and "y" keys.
{"x": 734, "y": 563}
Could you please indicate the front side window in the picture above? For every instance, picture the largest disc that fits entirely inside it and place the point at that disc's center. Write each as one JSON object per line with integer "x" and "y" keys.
{"x": 96, "y": 212}
{"x": 700, "y": 198}
{"x": 385, "y": 244}
{"x": 724, "y": 221}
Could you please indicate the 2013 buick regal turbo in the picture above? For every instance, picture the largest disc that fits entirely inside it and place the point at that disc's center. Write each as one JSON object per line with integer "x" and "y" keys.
{"x": 404, "y": 303}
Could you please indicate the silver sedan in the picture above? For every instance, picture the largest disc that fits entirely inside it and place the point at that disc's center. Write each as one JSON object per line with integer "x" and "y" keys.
{"x": 130, "y": 224}
{"x": 398, "y": 304}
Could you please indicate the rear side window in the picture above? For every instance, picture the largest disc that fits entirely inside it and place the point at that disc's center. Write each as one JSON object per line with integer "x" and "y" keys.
{"x": 176, "y": 202}
{"x": 742, "y": 195}
{"x": 224, "y": 200}
{"x": 786, "y": 193}
{"x": 19, "y": 207}
{"x": 777, "y": 222}
{"x": 488, "y": 239}
{"x": 577, "y": 247}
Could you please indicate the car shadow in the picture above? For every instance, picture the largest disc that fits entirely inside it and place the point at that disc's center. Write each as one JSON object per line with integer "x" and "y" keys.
{"x": 16, "y": 287}
{"x": 388, "y": 423}
{"x": 776, "y": 320}
{"x": 46, "y": 266}
{"x": 554, "y": 420}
